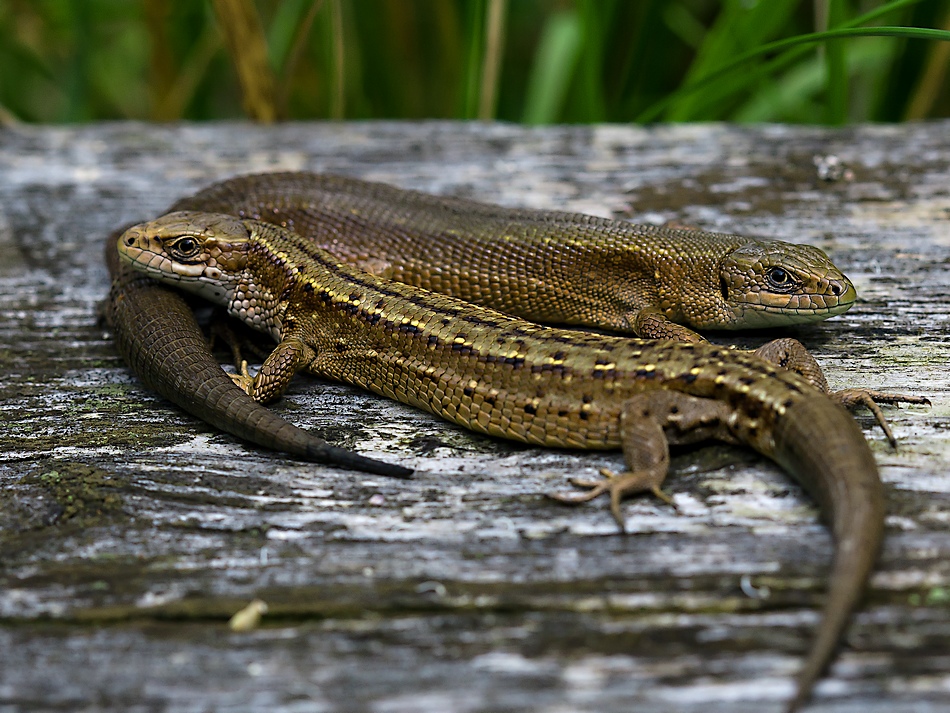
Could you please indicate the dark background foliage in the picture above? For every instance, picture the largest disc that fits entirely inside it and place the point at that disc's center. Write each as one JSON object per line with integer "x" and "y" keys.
{"x": 533, "y": 61}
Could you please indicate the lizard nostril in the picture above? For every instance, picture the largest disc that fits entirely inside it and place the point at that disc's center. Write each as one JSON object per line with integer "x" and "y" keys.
{"x": 836, "y": 290}
{"x": 130, "y": 240}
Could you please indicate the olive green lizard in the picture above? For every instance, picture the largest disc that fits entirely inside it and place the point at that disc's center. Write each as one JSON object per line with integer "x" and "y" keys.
{"x": 390, "y": 230}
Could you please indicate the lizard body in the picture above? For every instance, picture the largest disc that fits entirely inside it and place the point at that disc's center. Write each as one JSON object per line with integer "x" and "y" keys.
{"x": 506, "y": 377}
{"x": 374, "y": 224}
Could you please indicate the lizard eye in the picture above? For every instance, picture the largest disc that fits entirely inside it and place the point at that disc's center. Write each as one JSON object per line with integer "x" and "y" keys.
{"x": 779, "y": 279}
{"x": 186, "y": 247}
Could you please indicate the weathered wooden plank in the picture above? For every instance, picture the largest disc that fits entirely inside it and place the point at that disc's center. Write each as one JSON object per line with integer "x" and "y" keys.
{"x": 129, "y": 532}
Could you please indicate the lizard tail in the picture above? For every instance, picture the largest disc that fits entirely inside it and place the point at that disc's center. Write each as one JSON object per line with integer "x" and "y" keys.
{"x": 853, "y": 504}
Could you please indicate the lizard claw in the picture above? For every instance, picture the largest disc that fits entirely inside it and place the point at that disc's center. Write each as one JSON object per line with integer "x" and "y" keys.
{"x": 221, "y": 331}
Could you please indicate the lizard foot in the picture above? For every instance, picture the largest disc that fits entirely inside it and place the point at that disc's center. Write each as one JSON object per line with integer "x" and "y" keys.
{"x": 850, "y": 398}
{"x": 617, "y": 485}
{"x": 244, "y": 380}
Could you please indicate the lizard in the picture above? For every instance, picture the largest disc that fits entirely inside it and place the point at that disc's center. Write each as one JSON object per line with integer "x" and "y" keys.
{"x": 174, "y": 360}
{"x": 507, "y": 377}
{"x": 546, "y": 266}
{"x": 561, "y": 268}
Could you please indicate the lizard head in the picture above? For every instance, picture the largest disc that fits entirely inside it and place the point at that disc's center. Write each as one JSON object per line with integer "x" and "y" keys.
{"x": 204, "y": 253}
{"x": 772, "y": 283}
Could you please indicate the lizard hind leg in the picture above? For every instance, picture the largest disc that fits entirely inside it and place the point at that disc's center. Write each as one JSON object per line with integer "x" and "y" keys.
{"x": 287, "y": 358}
{"x": 649, "y": 422}
{"x": 792, "y": 355}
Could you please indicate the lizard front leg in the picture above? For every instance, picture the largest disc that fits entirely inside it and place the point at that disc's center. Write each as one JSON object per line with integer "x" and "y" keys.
{"x": 652, "y": 323}
{"x": 277, "y": 371}
{"x": 649, "y": 422}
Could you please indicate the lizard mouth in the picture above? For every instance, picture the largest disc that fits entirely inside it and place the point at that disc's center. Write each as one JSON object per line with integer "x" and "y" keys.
{"x": 758, "y": 306}
{"x": 802, "y": 309}
{"x": 158, "y": 265}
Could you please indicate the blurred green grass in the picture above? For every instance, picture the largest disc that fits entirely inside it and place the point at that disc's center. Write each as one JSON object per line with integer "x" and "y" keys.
{"x": 531, "y": 61}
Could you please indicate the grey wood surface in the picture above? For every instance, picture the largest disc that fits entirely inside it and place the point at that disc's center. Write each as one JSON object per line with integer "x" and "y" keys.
{"x": 129, "y": 532}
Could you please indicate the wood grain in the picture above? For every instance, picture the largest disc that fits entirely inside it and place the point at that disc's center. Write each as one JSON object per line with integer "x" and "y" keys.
{"x": 130, "y": 533}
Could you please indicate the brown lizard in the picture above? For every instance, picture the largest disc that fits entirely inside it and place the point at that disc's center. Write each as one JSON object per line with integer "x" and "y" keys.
{"x": 506, "y": 377}
{"x": 546, "y": 266}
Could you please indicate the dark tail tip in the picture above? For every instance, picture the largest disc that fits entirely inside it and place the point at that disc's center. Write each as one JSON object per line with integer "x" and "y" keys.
{"x": 331, "y": 455}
